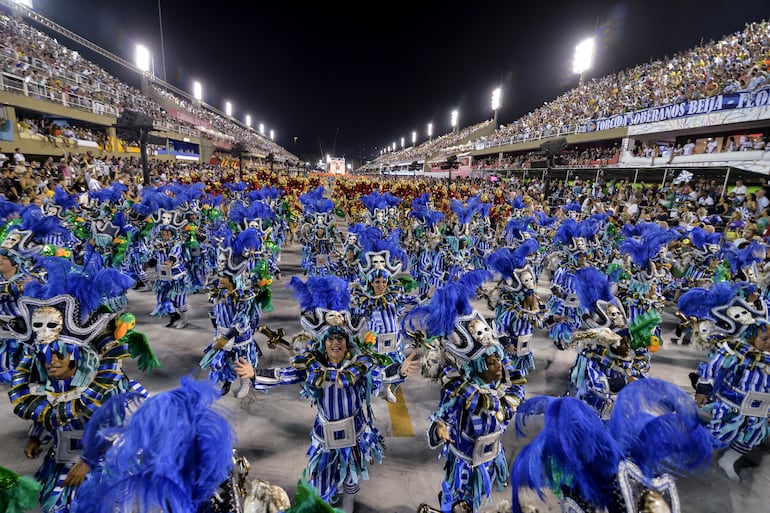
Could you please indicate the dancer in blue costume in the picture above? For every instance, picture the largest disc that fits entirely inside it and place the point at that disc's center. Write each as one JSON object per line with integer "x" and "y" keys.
{"x": 477, "y": 399}
{"x": 237, "y": 303}
{"x": 518, "y": 309}
{"x": 340, "y": 379}
{"x": 79, "y": 345}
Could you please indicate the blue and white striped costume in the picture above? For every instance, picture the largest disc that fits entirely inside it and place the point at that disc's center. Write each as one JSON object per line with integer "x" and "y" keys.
{"x": 171, "y": 286}
{"x": 11, "y": 349}
{"x": 383, "y": 314}
{"x": 341, "y": 393}
{"x": 513, "y": 321}
{"x": 735, "y": 370}
{"x": 58, "y": 406}
{"x": 233, "y": 314}
{"x": 471, "y": 410}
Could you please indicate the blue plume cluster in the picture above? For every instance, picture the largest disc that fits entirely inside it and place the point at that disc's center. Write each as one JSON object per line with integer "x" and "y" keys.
{"x": 172, "y": 454}
{"x": 698, "y": 302}
{"x": 448, "y": 302}
{"x": 591, "y": 285}
{"x": 330, "y": 292}
{"x": 653, "y": 424}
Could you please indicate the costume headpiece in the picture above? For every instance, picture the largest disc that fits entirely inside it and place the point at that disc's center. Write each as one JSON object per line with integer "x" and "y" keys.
{"x": 148, "y": 467}
{"x": 325, "y": 303}
{"x": 466, "y": 334}
{"x": 574, "y": 451}
{"x": 519, "y": 228}
{"x": 257, "y": 215}
{"x": 378, "y": 251}
{"x": 743, "y": 262}
{"x": 517, "y": 204}
{"x": 247, "y": 242}
{"x": 111, "y": 195}
{"x": 65, "y": 313}
{"x": 657, "y": 426}
{"x": 377, "y": 204}
{"x": 62, "y": 203}
{"x": 511, "y": 262}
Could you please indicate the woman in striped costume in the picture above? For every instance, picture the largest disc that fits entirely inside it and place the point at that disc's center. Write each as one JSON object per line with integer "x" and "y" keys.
{"x": 344, "y": 441}
{"x": 340, "y": 380}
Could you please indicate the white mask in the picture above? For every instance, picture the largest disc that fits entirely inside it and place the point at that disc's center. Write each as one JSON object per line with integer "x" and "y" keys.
{"x": 47, "y": 323}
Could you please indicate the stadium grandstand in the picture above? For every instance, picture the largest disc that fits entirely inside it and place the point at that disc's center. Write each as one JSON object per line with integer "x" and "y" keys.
{"x": 705, "y": 110}
{"x": 56, "y": 102}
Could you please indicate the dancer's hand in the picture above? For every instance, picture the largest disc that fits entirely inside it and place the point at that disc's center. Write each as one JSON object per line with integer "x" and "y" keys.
{"x": 244, "y": 369}
{"x": 442, "y": 432}
{"x": 77, "y": 474}
{"x": 410, "y": 365}
{"x": 32, "y": 449}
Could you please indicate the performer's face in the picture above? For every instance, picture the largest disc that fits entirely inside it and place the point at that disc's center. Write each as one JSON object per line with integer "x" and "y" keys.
{"x": 494, "y": 370}
{"x": 61, "y": 367}
{"x": 379, "y": 286}
{"x": 6, "y": 265}
{"x": 336, "y": 345}
{"x": 762, "y": 340}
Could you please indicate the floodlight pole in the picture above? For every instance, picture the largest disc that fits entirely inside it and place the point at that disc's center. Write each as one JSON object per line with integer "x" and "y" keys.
{"x": 143, "y": 154}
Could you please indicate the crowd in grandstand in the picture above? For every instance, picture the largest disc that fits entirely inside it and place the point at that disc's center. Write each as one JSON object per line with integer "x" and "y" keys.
{"x": 51, "y": 71}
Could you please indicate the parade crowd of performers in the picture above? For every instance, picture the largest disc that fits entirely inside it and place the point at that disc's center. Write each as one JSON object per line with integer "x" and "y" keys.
{"x": 390, "y": 272}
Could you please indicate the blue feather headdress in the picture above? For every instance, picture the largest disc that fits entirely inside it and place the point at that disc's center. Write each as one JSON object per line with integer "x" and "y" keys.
{"x": 518, "y": 227}
{"x": 314, "y": 204}
{"x": 700, "y": 302}
{"x": 573, "y": 454}
{"x": 450, "y": 316}
{"x": 325, "y": 303}
{"x": 9, "y": 209}
{"x": 374, "y": 201}
{"x": 506, "y": 261}
{"x": 740, "y": 259}
{"x": 420, "y": 202}
{"x": 591, "y": 285}
{"x": 567, "y": 230}
{"x": 374, "y": 243}
{"x": 464, "y": 212}
{"x": 81, "y": 296}
{"x": 517, "y": 203}
{"x": 657, "y": 426}
{"x": 153, "y": 468}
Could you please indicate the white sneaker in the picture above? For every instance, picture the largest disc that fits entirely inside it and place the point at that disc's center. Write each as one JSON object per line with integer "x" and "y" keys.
{"x": 389, "y": 395}
{"x": 245, "y": 388}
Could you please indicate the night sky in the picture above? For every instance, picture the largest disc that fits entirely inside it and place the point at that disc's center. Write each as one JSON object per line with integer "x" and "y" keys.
{"x": 349, "y": 80}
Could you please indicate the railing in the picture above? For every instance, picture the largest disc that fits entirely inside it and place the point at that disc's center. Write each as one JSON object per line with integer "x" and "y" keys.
{"x": 537, "y": 135}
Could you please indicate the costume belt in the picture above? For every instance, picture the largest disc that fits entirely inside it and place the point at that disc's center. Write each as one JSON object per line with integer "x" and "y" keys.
{"x": 485, "y": 449}
{"x": 387, "y": 342}
{"x": 339, "y": 434}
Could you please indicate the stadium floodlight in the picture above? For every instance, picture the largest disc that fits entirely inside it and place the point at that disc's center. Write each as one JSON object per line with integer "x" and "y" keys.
{"x": 497, "y": 95}
{"x": 272, "y": 135}
{"x": 262, "y": 128}
{"x": 584, "y": 56}
{"x": 402, "y": 143}
{"x": 228, "y": 108}
{"x": 197, "y": 91}
{"x": 25, "y": 3}
{"x": 414, "y": 137}
{"x": 248, "y": 121}
{"x": 430, "y": 130}
{"x": 142, "y": 58}
{"x": 455, "y": 116}
{"x": 393, "y": 147}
